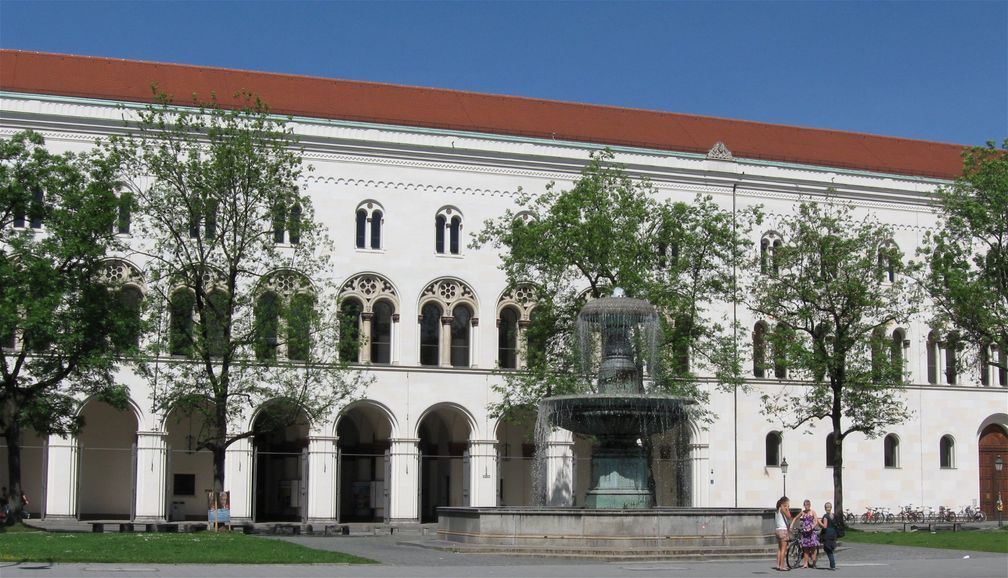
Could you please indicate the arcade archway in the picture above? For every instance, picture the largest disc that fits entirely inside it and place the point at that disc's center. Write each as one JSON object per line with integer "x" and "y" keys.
{"x": 280, "y": 462}
{"x": 364, "y": 432}
{"x": 106, "y": 473}
{"x": 444, "y": 434}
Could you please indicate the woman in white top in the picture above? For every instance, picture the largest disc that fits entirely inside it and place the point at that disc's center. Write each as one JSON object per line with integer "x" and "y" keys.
{"x": 782, "y": 521}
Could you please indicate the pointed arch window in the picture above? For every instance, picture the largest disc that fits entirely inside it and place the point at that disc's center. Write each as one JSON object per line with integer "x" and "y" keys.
{"x": 460, "y": 333}
{"x": 430, "y": 334}
{"x": 946, "y": 452}
{"x": 891, "y": 451}
{"x": 507, "y": 338}
{"x": 759, "y": 349}
{"x": 774, "y": 440}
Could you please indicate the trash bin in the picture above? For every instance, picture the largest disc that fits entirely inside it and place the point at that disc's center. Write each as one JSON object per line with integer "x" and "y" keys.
{"x": 177, "y": 512}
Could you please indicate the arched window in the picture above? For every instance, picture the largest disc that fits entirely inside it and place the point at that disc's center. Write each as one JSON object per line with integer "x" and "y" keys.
{"x": 361, "y": 228}
{"x": 932, "y": 356}
{"x": 759, "y": 349}
{"x": 1002, "y": 353}
{"x": 430, "y": 334}
{"x": 267, "y": 325}
{"x": 455, "y": 231}
{"x": 381, "y": 332}
{"x": 891, "y": 451}
{"x": 216, "y": 316}
{"x": 376, "y": 229}
{"x": 124, "y": 210}
{"x": 946, "y": 452}
{"x": 896, "y": 356}
{"x": 888, "y": 259}
{"x": 507, "y": 338}
{"x": 461, "y": 320}
{"x": 681, "y": 338}
{"x": 770, "y": 245}
{"x": 37, "y": 209}
{"x": 830, "y": 450}
{"x": 951, "y": 358}
{"x": 300, "y": 314}
{"x": 180, "y": 327}
{"x": 439, "y": 234}
{"x": 287, "y": 224}
{"x": 370, "y": 219}
{"x": 350, "y": 325}
{"x": 537, "y": 334}
{"x": 294, "y": 225}
{"x": 774, "y": 440}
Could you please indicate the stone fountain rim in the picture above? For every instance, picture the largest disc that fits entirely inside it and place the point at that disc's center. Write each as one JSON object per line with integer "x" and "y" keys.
{"x": 635, "y": 309}
{"x": 635, "y": 396}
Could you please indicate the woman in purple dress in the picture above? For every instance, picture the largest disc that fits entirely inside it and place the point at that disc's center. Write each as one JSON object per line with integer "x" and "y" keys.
{"x": 808, "y": 534}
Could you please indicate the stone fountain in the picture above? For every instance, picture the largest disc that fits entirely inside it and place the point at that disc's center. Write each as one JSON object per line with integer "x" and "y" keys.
{"x": 620, "y": 332}
{"x": 616, "y": 339}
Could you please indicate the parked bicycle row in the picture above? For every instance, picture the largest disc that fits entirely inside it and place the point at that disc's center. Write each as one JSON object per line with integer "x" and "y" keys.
{"x": 911, "y": 514}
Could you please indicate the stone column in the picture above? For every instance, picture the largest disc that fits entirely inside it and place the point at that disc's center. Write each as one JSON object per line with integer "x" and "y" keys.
{"x": 445, "y": 346}
{"x": 483, "y": 473}
{"x": 365, "y": 337}
{"x": 403, "y": 484}
{"x": 322, "y": 466}
{"x": 238, "y": 480}
{"x": 151, "y": 464}
{"x": 396, "y": 337}
{"x": 61, "y": 478}
{"x": 558, "y": 483}
{"x": 474, "y": 348}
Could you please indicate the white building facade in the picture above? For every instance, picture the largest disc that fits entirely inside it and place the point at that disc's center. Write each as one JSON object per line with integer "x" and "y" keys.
{"x": 401, "y": 201}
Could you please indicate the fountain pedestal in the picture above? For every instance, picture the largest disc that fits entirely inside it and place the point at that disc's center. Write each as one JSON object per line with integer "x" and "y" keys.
{"x": 619, "y": 475}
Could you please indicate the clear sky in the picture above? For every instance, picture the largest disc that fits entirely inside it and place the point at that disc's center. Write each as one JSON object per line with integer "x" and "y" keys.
{"x": 928, "y": 70}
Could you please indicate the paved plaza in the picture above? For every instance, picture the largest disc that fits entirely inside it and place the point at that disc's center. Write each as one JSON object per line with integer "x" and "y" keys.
{"x": 400, "y": 557}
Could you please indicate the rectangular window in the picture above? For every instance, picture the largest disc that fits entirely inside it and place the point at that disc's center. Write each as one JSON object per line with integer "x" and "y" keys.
{"x": 184, "y": 484}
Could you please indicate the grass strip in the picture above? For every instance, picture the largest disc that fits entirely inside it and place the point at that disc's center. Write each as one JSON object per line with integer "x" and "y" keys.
{"x": 198, "y": 548}
{"x": 978, "y": 541}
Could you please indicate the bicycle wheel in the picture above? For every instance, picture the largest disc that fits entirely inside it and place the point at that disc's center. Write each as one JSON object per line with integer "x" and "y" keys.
{"x": 950, "y": 517}
{"x": 849, "y": 518}
{"x": 864, "y": 518}
{"x": 794, "y": 554}
{"x": 889, "y": 518}
{"x": 979, "y": 516}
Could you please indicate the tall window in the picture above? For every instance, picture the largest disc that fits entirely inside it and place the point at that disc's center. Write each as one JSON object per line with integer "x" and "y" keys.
{"x": 896, "y": 357}
{"x": 448, "y": 223}
{"x": 891, "y": 451}
{"x": 779, "y": 347}
{"x": 507, "y": 338}
{"x": 888, "y": 259}
{"x": 878, "y": 354}
{"x": 267, "y": 321}
{"x": 681, "y": 337}
{"x": 759, "y": 349}
{"x": 770, "y": 244}
{"x": 773, "y": 448}
{"x": 202, "y": 219}
{"x": 460, "y": 331}
{"x": 300, "y": 315}
{"x": 180, "y": 328}
{"x": 124, "y": 208}
{"x": 430, "y": 334}
{"x": 381, "y": 333}
{"x": 350, "y": 320}
{"x": 287, "y": 224}
{"x": 830, "y": 450}
{"x": 1002, "y": 352}
{"x": 984, "y": 361}
{"x": 536, "y": 343}
{"x": 128, "y": 333}
{"x": 216, "y": 315}
{"x": 932, "y": 356}
{"x": 368, "y": 225}
{"x": 946, "y": 452}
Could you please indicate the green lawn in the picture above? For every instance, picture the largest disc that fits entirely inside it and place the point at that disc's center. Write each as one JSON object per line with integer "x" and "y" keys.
{"x": 981, "y": 541}
{"x": 199, "y": 548}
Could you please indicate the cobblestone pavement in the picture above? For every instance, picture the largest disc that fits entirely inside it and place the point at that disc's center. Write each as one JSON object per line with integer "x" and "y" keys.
{"x": 402, "y": 559}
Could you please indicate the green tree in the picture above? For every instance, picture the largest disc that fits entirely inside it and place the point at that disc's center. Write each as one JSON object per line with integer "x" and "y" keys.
{"x": 229, "y": 238}
{"x": 610, "y": 230}
{"x": 58, "y": 321}
{"x": 967, "y": 253}
{"x": 828, "y": 291}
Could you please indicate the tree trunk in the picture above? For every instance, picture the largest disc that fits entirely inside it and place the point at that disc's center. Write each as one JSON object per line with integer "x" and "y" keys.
{"x": 837, "y": 457}
{"x": 12, "y": 435}
{"x": 219, "y": 452}
{"x": 220, "y": 447}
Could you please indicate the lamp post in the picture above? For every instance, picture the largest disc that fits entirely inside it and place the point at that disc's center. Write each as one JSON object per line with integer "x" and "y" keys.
{"x": 998, "y": 505}
{"x": 783, "y": 470}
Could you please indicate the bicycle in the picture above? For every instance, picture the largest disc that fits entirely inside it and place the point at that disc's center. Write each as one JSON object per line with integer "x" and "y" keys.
{"x": 795, "y": 551}
{"x": 971, "y": 514}
{"x": 908, "y": 514}
{"x": 849, "y": 517}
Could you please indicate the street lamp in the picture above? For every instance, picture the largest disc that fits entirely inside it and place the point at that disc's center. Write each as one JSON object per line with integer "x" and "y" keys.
{"x": 783, "y": 470}
{"x": 998, "y": 505}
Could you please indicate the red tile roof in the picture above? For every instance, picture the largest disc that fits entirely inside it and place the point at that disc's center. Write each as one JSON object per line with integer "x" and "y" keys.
{"x": 128, "y": 80}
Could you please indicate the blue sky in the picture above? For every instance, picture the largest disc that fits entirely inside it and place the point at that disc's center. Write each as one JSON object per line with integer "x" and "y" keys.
{"x": 928, "y": 70}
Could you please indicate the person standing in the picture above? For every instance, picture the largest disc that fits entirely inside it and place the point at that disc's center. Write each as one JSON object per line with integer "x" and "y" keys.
{"x": 808, "y": 534}
{"x": 830, "y": 534}
{"x": 782, "y": 521}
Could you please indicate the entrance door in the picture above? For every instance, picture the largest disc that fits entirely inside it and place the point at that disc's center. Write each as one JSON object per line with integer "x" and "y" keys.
{"x": 993, "y": 443}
